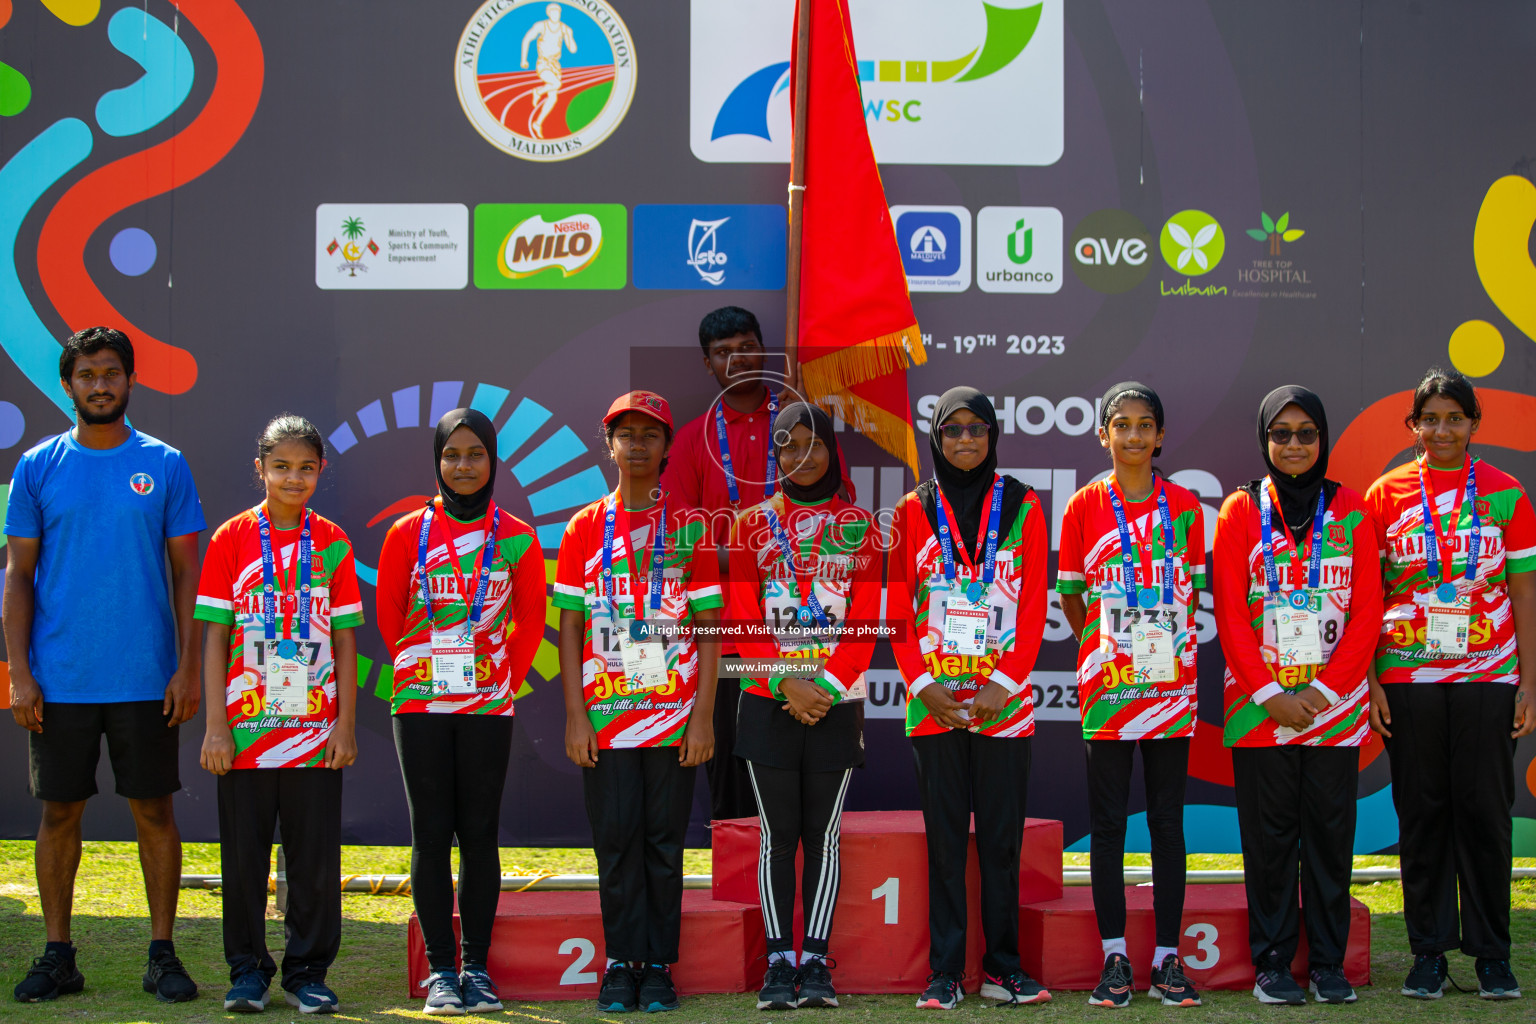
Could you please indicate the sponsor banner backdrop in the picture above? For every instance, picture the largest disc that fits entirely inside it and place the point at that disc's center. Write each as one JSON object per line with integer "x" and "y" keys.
{"x": 537, "y": 201}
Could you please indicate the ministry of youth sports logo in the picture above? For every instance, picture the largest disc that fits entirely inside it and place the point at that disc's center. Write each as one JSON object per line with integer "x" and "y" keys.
{"x": 545, "y": 81}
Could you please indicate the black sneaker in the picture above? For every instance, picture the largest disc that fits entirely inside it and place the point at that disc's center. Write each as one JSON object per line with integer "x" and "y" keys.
{"x": 1171, "y": 984}
{"x": 617, "y": 994}
{"x": 1017, "y": 987}
{"x": 779, "y": 986}
{"x": 1329, "y": 984}
{"x": 1427, "y": 979}
{"x": 657, "y": 993}
{"x": 168, "y": 980}
{"x": 247, "y": 994}
{"x": 51, "y": 975}
{"x": 943, "y": 992}
{"x": 1273, "y": 984}
{"x": 1115, "y": 983}
{"x": 815, "y": 982}
{"x": 1495, "y": 980}
{"x": 444, "y": 999}
{"x": 478, "y": 991}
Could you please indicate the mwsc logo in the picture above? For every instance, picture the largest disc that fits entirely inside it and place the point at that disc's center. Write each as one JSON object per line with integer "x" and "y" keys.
{"x": 964, "y": 82}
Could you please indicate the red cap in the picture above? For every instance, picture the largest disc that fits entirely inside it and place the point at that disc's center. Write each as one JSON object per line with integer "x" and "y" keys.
{"x": 648, "y": 402}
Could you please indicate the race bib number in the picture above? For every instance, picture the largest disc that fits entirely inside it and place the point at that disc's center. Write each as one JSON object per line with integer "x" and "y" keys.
{"x": 1148, "y": 635}
{"x": 1446, "y": 633}
{"x": 965, "y": 625}
{"x": 287, "y": 681}
{"x": 1152, "y": 651}
{"x": 453, "y": 663}
{"x": 1298, "y": 636}
{"x": 781, "y": 605}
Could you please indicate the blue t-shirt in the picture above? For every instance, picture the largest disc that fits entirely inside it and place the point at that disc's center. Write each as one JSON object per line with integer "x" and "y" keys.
{"x": 102, "y": 629}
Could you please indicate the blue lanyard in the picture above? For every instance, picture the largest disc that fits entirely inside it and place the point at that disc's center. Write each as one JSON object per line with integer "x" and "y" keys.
{"x": 977, "y": 588}
{"x": 1314, "y": 563}
{"x": 1446, "y": 591}
{"x": 811, "y": 609}
{"x": 269, "y": 593}
{"x": 1145, "y": 597}
{"x": 488, "y": 555}
{"x": 725, "y": 450}
{"x": 658, "y": 557}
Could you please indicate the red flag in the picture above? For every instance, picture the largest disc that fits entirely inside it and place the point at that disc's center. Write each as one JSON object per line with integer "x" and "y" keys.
{"x": 857, "y": 331}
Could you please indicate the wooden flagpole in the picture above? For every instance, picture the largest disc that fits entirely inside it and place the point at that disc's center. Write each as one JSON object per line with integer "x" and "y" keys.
{"x": 797, "y": 190}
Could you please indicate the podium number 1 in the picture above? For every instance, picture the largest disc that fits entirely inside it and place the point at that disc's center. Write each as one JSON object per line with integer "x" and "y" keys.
{"x": 890, "y": 891}
{"x": 585, "y": 950}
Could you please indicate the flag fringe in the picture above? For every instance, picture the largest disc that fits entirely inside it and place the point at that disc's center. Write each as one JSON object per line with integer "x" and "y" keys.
{"x": 836, "y": 370}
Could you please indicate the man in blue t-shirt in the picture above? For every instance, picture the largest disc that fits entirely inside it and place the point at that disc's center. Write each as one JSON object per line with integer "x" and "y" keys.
{"x": 94, "y": 515}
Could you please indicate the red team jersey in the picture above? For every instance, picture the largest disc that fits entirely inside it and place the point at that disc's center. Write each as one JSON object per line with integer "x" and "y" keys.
{"x": 623, "y": 715}
{"x": 1508, "y": 545}
{"x": 1348, "y": 611}
{"x": 916, "y": 598}
{"x": 844, "y": 570}
{"x": 511, "y": 623}
{"x": 230, "y": 593}
{"x": 1114, "y": 706}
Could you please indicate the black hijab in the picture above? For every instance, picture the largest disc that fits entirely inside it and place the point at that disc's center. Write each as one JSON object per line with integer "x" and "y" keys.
{"x": 800, "y": 414}
{"x": 966, "y": 490}
{"x": 464, "y": 507}
{"x": 1298, "y": 494}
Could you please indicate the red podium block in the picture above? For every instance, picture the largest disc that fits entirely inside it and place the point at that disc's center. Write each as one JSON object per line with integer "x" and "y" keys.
{"x": 880, "y": 936}
{"x": 1214, "y": 939}
{"x": 549, "y": 945}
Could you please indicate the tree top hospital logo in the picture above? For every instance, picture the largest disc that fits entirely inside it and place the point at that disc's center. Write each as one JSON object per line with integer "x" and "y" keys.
{"x": 142, "y": 483}
{"x": 957, "y": 82}
{"x": 545, "y": 81}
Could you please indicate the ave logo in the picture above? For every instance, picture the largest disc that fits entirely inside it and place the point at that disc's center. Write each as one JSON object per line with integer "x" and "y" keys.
{"x": 1111, "y": 250}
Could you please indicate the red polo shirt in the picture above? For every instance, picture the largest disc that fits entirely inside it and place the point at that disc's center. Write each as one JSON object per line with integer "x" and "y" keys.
{"x": 694, "y": 473}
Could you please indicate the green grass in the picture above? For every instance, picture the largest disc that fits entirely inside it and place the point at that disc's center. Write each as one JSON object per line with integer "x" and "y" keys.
{"x": 111, "y": 930}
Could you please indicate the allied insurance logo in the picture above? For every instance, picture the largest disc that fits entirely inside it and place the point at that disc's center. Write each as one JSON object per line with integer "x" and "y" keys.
{"x": 545, "y": 81}
{"x": 958, "y": 82}
{"x": 935, "y": 246}
{"x": 554, "y": 245}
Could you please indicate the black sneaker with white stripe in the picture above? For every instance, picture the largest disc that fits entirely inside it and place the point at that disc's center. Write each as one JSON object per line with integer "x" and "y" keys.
{"x": 1017, "y": 987}
{"x": 1116, "y": 981}
{"x": 1273, "y": 984}
{"x": 1171, "y": 984}
{"x": 815, "y": 983}
{"x": 1329, "y": 985}
{"x": 1427, "y": 979}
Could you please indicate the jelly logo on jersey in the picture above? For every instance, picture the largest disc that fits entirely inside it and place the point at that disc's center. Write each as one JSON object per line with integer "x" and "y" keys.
{"x": 1110, "y": 250}
{"x": 1018, "y": 249}
{"x": 707, "y": 247}
{"x": 936, "y": 81}
{"x": 572, "y": 95}
{"x": 525, "y": 245}
{"x": 142, "y": 483}
{"x": 935, "y": 246}
{"x": 1192, "y": 242}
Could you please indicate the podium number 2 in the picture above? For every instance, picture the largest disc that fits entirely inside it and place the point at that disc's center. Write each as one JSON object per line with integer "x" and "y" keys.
{"x": 890, "y": 891}
{"x": 585, "y": 951}
{"x": 1205, "y": 941}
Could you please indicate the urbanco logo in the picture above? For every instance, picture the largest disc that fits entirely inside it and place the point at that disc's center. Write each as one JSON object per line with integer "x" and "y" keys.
{"x": 1192, "y": 242}
{"x": 1111, "y": 251}
{"x": 545, "y": 81}
{"x": 1018, "y": 249}
{"x": 938, "y": 81}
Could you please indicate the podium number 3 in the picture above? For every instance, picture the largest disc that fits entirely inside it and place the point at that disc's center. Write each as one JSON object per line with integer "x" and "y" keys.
{"x": 585, "y": 951}
{"x": 1205, "y": 941}
{"x": 890, "y": 891}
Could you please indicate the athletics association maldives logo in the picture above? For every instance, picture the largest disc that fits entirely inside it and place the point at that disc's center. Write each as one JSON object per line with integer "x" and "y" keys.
{"x": 962, "y": 82}
{"x": 142, "y": 483}
{"x": 545, "y": 81}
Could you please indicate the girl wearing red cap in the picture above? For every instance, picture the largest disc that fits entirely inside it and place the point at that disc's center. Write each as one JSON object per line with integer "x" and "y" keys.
{"x": 636, "y": 573}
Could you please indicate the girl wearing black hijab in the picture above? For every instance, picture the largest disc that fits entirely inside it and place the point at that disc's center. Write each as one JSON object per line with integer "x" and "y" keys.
{"x": 1298, "y": 609}
{"x": 1132, "y": 557}
{"x": 461, "y": 608}
{"x": 803, "y": 563}
{"x": 966, "y": 593}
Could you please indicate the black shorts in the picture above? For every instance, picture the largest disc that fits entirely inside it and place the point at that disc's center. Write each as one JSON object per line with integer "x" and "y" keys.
{"x": 142, "y": 747}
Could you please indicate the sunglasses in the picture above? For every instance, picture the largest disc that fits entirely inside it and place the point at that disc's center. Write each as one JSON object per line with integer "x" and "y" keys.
{"x": 1282, "y": 435}
{"x": 954, "y": 430}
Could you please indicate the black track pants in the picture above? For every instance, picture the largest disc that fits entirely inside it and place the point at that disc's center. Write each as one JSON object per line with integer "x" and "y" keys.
{"x": 730, "y": 791}
{"x": 1165, "y": 768}
{"x": 958, "y": 771}
{"x": 1453, "y": 784}
{"x": 455, "y": 768}
{"x": 638, "y": 803}
{"x": 796, "y": 807}
{"x": 1296, "y": 810}
{"x": 306, "y": 802}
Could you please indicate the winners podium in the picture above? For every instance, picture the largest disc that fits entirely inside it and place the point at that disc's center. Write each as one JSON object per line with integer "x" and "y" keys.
{"x": 549, "y": 945}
